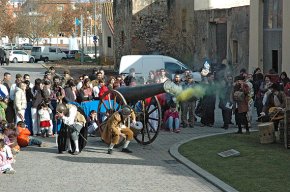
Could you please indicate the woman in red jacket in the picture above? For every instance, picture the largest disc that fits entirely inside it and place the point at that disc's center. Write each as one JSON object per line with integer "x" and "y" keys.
{"x": 171, "y": 119}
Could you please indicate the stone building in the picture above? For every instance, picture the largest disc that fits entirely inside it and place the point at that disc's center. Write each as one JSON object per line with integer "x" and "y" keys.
{"x": 184, "y": 30}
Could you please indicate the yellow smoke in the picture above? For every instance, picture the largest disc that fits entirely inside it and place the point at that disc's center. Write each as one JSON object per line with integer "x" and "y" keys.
{"x": 188, "y": 93}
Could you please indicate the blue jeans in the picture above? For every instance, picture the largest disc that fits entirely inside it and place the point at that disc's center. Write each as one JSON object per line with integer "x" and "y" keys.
{"x": 34, "y": 141}
{"x": 172, "y": 123}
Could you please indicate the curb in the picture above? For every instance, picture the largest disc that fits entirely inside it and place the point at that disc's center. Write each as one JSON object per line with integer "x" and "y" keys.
{"x": 201, "y": 172}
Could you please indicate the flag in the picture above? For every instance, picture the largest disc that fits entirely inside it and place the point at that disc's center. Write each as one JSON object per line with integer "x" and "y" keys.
{"x": 77, "y": 21}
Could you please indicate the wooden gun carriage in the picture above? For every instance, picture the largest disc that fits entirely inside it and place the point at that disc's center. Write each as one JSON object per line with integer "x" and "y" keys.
{"x": 143, "y": 101}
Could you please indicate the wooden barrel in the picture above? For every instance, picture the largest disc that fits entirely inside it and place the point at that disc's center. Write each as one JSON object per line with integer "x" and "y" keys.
{"x": 266, "y": 132}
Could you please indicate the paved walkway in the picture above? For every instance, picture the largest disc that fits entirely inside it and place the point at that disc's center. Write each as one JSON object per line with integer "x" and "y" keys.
{"x": 148, "y": 168}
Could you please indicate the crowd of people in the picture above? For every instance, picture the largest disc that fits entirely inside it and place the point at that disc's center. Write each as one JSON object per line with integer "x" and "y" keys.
{"x": 22, "y": 100}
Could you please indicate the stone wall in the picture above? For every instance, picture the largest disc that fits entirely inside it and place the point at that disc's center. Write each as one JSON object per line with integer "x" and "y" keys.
{"x": 173, "y": 28}
{"x": 122, "y": 14}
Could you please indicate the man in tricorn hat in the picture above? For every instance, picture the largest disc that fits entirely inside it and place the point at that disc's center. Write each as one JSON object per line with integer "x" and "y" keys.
{"x": 116, "y": 126}
{"x": 73, "y": 131}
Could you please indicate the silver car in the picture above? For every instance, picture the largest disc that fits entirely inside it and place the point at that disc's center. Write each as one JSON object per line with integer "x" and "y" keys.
{"x": 8, "y": 46}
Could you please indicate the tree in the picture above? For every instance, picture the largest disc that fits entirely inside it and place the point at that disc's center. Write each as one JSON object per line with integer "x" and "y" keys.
{"x": 68, "y": 21}
{"x": 7, "y": 24}
{"x": 31, "y": 23}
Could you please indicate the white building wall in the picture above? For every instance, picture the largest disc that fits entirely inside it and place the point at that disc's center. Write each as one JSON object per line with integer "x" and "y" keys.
{"x": 64, "y": 42}
{"x": 219, "y": 4}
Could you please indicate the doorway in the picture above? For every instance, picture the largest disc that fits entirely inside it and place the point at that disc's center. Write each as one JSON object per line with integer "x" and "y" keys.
{"x": 275, "y": 59}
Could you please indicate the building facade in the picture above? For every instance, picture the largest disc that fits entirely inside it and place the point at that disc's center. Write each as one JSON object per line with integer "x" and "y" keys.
{"x": 270, "y": 33}
{"x": 191, "y": 32}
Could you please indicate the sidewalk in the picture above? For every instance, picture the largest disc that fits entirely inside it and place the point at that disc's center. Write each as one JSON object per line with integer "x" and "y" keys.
{"x": 148, "y": 168}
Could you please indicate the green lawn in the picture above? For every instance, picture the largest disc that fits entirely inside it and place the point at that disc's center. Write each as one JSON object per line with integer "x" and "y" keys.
{"x": 259, "y": 168}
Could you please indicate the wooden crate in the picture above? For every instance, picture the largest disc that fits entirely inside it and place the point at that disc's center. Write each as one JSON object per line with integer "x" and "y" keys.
{"x": 287, "y": 103}
{"x": 287, "y": 129}
{"x": 281, "y": 131}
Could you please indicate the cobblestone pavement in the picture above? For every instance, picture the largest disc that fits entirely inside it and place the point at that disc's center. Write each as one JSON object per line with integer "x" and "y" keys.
{"x": 148, "y": 168}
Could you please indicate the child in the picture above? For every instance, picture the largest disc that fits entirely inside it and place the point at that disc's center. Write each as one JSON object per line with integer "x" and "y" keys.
{"x": 11, "y": 134}
{"x": 24, "y": 139}
{"x": 3, "y": 125}
{"x": 44, "y": 118}
{"x": 92, "y": 123}
{"x": 6, "y": 158}
{"x": 3, "y": 107}
{"x": 171, "y": 119}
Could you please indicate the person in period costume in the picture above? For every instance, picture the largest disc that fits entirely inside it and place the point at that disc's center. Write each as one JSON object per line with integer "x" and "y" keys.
{"x": 73, "y": 131}
{"x": 116, "y": 126}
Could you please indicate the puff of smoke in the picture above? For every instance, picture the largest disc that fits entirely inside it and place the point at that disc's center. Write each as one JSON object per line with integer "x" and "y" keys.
{"x": 196, "y": 91}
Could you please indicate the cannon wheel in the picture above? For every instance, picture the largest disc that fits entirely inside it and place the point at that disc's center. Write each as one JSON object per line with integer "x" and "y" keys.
{"x": 106, "y": 109}
{"x": 149, "y": 113}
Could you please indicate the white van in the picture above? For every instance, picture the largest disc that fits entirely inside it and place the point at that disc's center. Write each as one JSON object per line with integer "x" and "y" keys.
{"x": 47, "y": 53}
{"x": 145, "y": 63}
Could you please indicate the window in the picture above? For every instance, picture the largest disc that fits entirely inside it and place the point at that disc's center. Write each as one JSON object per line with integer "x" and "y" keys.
{"x": 172, "y": 68}
{"x": 183, "y": 20}
{"x": 122, "y": 37}
{"x": 109, "y": 42}
{"x": 52, "y": 50}
{"x": 275, "y": 59}
{"x": 235, "y": 51}
{"x": 36, "y": 49}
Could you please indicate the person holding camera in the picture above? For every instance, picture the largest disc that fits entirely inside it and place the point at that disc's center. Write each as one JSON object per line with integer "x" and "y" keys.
{"x": 240, "y": 103}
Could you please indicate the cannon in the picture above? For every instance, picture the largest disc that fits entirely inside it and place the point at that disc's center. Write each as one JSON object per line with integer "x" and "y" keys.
{"x": 144, "y": 102}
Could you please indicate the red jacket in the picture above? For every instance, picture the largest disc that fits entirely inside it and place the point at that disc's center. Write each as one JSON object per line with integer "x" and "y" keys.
{"x": 103, "y": 90}
{"x": 287, "y": 89}
{"x": 168, "y": 113}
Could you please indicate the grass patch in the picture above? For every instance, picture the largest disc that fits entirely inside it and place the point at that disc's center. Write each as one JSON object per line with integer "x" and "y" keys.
{"x": 259, "y": 168}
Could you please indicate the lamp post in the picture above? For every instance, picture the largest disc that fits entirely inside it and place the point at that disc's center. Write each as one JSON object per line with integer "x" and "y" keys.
{"x": 95, "y": 16}
{"x": 95, "y": 29}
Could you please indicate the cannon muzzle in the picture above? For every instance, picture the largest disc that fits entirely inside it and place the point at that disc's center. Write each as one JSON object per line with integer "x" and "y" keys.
{"x": 145, "y": 91}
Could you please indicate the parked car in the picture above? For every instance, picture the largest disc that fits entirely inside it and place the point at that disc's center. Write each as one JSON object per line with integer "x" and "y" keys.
{"x": 26, "y": 46}
{"x": 47, "y": 53}
{"x": 70, "y": 54}
{"x": 8, "y": 46}
{"x": 20, "y": 56}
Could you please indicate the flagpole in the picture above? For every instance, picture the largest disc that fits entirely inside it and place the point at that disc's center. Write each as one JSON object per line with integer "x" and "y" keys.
{"x": 75, "y": 27}
{"x": 82, "y": 53}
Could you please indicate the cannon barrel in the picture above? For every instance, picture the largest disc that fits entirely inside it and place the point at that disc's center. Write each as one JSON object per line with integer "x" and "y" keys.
{"x": 142, "y": 92}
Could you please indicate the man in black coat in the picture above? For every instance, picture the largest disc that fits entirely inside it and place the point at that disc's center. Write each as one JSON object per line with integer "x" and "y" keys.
{"x": 73, "y": 131}
{"x": 2, "y": 56}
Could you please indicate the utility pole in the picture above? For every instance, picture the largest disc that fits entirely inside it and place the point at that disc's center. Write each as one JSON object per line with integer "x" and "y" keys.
{"x": 95, "y": 29}
{"x": 82, "y": 39}
{"x": 95, "y": 17}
